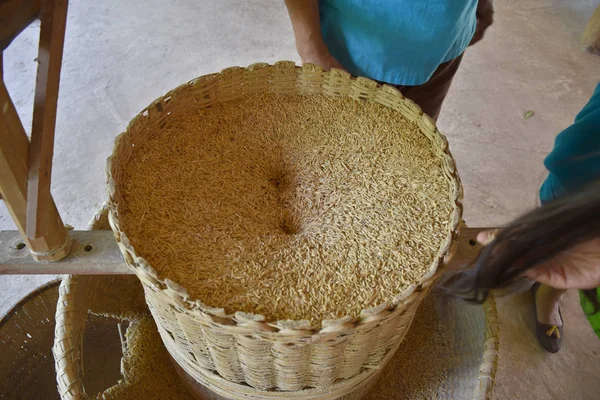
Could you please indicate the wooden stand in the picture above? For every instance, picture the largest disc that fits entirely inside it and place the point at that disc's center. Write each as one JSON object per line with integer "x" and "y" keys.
{"x": 25, "y": 168}
{"x": 590, "y": 39}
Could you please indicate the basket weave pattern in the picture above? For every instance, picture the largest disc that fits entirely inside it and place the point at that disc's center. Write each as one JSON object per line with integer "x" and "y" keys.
{"x": 244, "y": 348}
{"x": 26, "y": 333}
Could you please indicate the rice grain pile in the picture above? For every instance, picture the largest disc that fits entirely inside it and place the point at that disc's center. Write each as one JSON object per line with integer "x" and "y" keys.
{"x": 426, "y": 365}
{"x": 293, "y": 207}
{"x": 147, "y": 371}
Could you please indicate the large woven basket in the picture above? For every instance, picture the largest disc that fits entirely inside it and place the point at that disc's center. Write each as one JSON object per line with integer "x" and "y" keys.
{"x": 468, "y": 372}
{"x": 216, "y": 348}
{"x": 471, "y": 355}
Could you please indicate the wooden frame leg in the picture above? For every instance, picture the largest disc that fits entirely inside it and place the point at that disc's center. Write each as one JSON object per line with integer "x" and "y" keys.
{"x": 590, "y": 39}
{"x": 14, "y": 168}
{"x": 53, "y": 19}
{"x": 26, "y": 168}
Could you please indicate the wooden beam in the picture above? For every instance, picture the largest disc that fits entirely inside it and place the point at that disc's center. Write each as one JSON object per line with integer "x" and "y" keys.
{"x": 590, "y": 39}
{"x": 467, "y": 248}
{"x": 15, "y": 16}
{"x": 14, "y": 167}
{"x": 104, "y": 256}
{"x": 14, "y": 159}
{"x": 92, "y": 253}
{"x": 52, "y": 33}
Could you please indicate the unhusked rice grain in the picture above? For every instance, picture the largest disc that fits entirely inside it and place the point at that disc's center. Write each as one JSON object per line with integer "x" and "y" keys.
{"x": 290, "y": 206}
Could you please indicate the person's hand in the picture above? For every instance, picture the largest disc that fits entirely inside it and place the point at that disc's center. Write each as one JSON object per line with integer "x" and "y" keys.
{"x": 326, "y": 60}
{"x": 576, "y": 268}
{"x": 311, "y": 47}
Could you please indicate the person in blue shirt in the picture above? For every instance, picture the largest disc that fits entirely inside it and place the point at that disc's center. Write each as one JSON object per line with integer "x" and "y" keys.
{"x": 557, "y": 245}
{"x": 415, "y": 45}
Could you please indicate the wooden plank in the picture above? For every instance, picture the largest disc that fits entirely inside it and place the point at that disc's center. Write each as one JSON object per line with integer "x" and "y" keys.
{"x": 104, "y": 257}
{"x": 467, "y": 247}
{"x": 590, "y": 39}
{"x": 52, "y": 33}
{"x": 15, "y": 16}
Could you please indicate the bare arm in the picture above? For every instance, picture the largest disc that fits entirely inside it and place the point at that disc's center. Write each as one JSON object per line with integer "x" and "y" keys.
{"x": 304, "y": 15}
{"x": 485, "y": 18}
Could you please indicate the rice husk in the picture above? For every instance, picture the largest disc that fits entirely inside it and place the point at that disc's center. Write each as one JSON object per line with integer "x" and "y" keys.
{"x": 424, "y": 367}
{"x": 290, "y": 206}
{"x": 147, "y": 371}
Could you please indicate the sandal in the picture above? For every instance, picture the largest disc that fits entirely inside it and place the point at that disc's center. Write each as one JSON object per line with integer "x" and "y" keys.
{"x": 549, "y": 336}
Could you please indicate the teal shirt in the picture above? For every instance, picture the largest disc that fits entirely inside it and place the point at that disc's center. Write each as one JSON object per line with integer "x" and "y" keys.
{"x": 401, "y": 42}
{"x": 574, "y": 162}
{"x": 575, "y": 159}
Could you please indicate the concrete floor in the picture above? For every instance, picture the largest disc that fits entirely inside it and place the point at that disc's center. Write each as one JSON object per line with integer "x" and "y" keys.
{"x": 119, "y": 56}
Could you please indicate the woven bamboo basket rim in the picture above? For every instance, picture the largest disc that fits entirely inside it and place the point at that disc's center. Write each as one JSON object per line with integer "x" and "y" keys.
{"x": 491, "y": 345}
{"x": 307, "y": 79}
{"x": 78, "y": 295}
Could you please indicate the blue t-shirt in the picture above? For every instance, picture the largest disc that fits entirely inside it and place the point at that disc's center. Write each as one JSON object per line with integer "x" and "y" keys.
{"x": 401, "y": 42}
{"x": 575, "y": 159}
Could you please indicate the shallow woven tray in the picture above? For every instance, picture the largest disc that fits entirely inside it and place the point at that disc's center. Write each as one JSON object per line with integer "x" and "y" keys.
{"x": 244, "y": 348}
{"x": 26, "y": 334}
